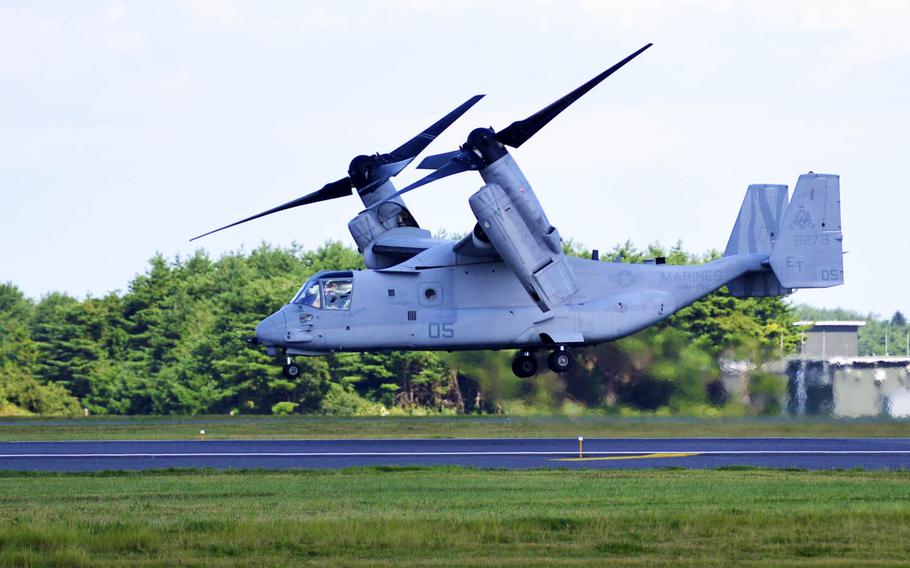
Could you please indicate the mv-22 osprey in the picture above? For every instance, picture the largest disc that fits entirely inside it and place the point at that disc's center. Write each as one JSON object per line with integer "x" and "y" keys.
{"x": 508, "y": 284}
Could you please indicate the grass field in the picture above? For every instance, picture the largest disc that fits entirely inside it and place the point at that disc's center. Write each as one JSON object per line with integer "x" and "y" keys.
{"x": 449, "y": 516}
{"x": 304, "y": 427}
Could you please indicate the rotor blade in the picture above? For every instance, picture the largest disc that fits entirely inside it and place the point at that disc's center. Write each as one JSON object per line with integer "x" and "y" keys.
{"x": 334, "y": 190}
{"x": 436, "y": 161}
{"x": 385, "y": 171}
{"x": 451, "y": 167}
{"x": 404, "y": 154}
{"x": 520, "y": 131}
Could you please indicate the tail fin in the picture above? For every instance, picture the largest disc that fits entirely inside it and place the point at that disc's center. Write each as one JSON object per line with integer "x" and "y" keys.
{"x": 755, "y": 232}
{"x": 756, "y": 227}
{"x": 808, "y": 252}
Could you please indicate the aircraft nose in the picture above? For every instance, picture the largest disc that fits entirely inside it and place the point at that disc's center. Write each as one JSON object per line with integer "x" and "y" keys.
{"x": 272, "y": 330}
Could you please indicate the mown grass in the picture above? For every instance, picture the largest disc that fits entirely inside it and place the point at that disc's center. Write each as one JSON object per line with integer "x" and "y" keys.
{"x": 452, "y": 516}
{"x": 306, "y": 427}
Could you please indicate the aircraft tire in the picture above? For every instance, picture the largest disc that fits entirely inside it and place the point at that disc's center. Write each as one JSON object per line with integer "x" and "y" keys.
{"x": 524, "y": 365}
{"x": 560, "y": 360}
{"x": 291, "y": 371}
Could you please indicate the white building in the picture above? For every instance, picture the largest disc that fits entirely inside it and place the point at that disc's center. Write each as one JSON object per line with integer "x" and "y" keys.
{"x": 830, "y": 378}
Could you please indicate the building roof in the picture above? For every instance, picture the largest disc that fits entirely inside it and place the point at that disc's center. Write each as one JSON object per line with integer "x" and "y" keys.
{"x": 833, "y": 323}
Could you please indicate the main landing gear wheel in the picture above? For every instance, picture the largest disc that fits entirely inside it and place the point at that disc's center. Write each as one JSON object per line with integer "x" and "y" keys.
{"x": 524, "y": 365}
{"x": 291, "y": 371}
{"x": 560, "y": 360}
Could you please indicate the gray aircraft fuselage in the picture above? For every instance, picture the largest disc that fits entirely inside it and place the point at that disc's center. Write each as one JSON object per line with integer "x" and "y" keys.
{"x": 483, "y": 306}
{"x": 508, "y": 284}
{"x": 450, "y": 296}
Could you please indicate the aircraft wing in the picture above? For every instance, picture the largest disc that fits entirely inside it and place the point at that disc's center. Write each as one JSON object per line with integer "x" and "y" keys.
{"x": 404, "y": 246}
{"x": 393, "y": 249}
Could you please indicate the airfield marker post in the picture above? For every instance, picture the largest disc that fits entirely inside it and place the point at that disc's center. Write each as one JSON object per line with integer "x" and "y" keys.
{"x": 581, "y": 441}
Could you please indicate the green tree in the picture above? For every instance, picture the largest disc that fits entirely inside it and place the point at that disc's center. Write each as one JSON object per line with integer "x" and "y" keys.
{"x": 20, "y": 391}
{"x": 652, "y": 369}
{"x": 68, "y": 341}
{"x": 484, "y": 379}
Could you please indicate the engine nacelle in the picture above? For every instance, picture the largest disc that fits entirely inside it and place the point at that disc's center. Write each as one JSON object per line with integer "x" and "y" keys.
{"x": 375, "y": 221}
{"x": 480, "y": 241}
{"x": 372, "y": 223}
{"x": 506, "y": 174}
{"x": 366, "y": 228}
{"x": 530, "y": 246}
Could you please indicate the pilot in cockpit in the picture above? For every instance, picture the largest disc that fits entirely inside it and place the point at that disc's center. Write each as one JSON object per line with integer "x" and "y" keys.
{"x": 330, "y": 293}
{"x": 337, "y": 294}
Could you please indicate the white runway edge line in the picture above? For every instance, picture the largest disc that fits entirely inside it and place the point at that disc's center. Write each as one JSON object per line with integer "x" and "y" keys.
{"x": 546, "y": 439}
{"x": 443, "y": 454}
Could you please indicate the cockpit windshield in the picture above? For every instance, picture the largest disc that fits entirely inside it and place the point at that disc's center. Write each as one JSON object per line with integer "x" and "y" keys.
{"x": 309, "y": 295}
{"x": 327, "y": 291}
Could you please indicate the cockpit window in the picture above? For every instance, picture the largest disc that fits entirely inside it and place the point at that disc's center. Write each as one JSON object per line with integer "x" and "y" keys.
{"x": 336, "y": 293}
{"x": 327, "y": 291}
{"x": 309, "y": 295}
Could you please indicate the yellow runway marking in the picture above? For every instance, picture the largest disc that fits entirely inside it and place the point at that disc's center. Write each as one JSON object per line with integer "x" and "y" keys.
{"x": 641, "y": 457}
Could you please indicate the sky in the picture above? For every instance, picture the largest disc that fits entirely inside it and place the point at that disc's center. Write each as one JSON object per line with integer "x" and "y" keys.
{"x": 126, "y": 128}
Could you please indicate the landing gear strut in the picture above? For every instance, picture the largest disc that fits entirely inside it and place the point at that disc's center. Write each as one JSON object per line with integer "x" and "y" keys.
{"x": 524, "y": 365}
{"x": 560, "y": 360}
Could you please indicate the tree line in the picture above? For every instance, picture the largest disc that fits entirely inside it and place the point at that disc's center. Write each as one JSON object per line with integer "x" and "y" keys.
{"x": 175, "y": 343}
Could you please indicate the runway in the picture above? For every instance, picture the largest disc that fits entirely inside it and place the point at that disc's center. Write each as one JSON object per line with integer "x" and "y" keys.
{"x": 518, "y": 453}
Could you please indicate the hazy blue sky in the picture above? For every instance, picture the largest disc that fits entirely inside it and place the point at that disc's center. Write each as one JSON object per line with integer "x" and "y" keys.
{"x": 128, "y": 127}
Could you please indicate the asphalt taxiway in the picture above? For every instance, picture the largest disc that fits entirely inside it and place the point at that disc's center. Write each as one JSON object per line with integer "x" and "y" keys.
{"x": 515, "y": 453}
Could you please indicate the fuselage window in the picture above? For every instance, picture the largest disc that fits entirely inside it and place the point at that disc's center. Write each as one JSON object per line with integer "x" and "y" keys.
{"x": 336, "y": 293}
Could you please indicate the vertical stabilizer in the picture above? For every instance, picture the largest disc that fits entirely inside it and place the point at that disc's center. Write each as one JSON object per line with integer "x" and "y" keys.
{"x": 756, "y": 227}
{"x": 756, "y": 230}
{"x": 808, "y": 252}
